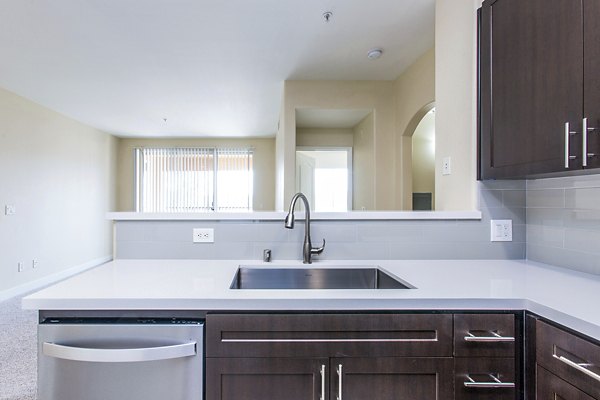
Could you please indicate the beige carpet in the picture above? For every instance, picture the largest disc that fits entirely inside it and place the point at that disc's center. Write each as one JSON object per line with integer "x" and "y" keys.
{"x": 18, "y": 344}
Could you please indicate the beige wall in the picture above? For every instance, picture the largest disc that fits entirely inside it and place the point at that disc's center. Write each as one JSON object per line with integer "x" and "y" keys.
{"x": 423, "y": 156}
{"x": 264, "y": 166}
{"x": 414, "y": 91}
{"x": 363, "y": 165}
{"x": 60, "y": 176}
{"x": 456, "y": 46}
{"x": 328, "y": 137}
{"x": 355, "y": 95}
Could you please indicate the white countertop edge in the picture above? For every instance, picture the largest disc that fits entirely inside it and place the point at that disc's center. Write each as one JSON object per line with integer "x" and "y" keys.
{"x": 280, "y": 215}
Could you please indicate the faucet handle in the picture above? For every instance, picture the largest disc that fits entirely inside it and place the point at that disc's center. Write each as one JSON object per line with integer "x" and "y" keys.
{"x": 318, "y": 250}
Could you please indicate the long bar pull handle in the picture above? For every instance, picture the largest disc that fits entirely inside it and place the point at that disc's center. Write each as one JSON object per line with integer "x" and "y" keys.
{"x": 494, "y": 337}
{"x": 339, "y": 373}
{"x": 495, "y": 383}
{"x": 584, "y": 132}
{"x": 119, "y": 355}
{"x": 581, "y": 367}
{"x": 568, "y": 133}
{"x": 323, "y": 382}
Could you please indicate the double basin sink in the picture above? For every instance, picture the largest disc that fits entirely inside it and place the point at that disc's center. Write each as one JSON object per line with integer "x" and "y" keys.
{"x": 339, "y": 277}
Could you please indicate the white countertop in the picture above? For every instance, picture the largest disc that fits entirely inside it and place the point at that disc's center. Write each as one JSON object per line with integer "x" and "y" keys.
{"x": 566, "y": 297}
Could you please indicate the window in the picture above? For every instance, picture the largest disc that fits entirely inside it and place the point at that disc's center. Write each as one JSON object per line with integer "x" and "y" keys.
{"x": 193, "y": 179}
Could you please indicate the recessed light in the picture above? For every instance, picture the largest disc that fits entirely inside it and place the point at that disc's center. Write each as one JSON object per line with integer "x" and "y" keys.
{"x": 374, "y": 54}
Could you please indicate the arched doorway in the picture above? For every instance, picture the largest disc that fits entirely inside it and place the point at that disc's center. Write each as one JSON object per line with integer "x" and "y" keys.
{"x": 423, "y": 163}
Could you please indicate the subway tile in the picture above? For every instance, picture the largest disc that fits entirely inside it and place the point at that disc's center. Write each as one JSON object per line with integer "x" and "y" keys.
{"x": 545, "y": 235}
{"x": 550, "y": 198}
{"x": 519, "y": 233}
{"x": 583, "y": 219}
{"x": 565, "y": 182}
{"x": 582, "y": 240}
{"x": 583, "y": 198}
{"x": 279, "y": 251}
{"x": 546, "y": 216}
{"x": 514, "y": 198}
{"x": 458, "y": 251}
{"x": 503, "y": 185}
{"x": 490, "y": 198}
{"x": 463, "y": 233}
{"x": 584, "y": 262}
{"x": 392, "y": 232}
{"x": 333, "y": 232}
{"x": 355, "y": 251}
{"x": 518, "y": 215}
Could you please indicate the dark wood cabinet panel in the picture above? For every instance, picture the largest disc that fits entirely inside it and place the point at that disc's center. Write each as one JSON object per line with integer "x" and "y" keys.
{"x": 591, "y": 74}
{"x": 486, "y": 371}
{"x": 328, "y": 335}
{"x": 531, "y": 84}
{"x": 391, "y": 378}
{"x": 570, "y": 357}
{"x": 265, "y": 378}
{"x": 551, "y": 387}
{"x": 484, "y": 335}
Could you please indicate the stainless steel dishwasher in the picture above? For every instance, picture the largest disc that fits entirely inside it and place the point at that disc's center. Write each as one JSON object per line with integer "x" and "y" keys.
{"x": 120, "y": 359}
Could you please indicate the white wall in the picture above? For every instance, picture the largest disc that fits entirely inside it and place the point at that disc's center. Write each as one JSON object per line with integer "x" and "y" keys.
{"x": 455, "y": 96}
{"x": 60, "y": 176}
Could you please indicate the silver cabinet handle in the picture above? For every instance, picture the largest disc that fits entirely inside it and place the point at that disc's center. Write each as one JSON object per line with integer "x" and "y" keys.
{"x": 581, "y": 367}
{"x": 584, "y": 131}
{"x": 568, "y": 133}
{"x": 494, "y": 337}
{"x": 495, "y": 383}
{"x": 322, "y": 382}
{"x": 119, "y": 355}
{"x": 339, "y": 373}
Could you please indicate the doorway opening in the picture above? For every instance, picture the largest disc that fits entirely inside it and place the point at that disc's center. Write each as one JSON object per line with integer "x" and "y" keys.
{"x": 423, "y": 163}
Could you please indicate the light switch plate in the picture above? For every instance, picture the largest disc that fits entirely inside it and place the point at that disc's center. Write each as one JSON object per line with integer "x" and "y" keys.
{"x": 501, "y": 230}
{"x": 204, "y": 235}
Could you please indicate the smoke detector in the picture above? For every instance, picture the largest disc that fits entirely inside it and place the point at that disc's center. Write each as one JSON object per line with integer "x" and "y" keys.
{"x": 374, "y": 54}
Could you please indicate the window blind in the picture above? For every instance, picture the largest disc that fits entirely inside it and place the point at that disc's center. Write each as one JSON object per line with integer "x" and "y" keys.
{"x": 194, "y": 179}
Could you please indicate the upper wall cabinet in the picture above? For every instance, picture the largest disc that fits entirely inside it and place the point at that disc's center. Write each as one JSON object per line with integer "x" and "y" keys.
{"x": 539, "y": 87}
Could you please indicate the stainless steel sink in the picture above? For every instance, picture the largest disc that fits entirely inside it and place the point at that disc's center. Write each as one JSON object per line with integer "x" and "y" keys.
{"x": 356, "y": 277}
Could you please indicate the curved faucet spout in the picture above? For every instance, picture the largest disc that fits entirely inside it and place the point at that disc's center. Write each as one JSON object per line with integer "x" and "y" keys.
{"x": 307, "y": 249}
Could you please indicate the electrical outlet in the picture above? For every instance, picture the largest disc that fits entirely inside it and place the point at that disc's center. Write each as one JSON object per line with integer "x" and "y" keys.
{"x": 501, "y": 230}
{"x": 34, "y": 263}
{"x": 446, "y": 166}
{"x": 10, "y": 210}
{"x": 204, "y": 235}
{"x": 20, "y": 266}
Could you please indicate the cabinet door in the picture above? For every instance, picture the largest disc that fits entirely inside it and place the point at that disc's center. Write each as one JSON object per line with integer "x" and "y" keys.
{"x": 591, "y": 104}
{"x": 391, "y": 378}
{"x": 266, "y": 378}
{"x": 531, "y": 84}
{"x": 551, "y": 387}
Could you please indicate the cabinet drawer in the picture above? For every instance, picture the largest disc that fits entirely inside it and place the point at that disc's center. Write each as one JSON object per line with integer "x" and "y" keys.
{"x": 570, "y": 357}
{"x": 551, "y": 387}
{"x": 485, "y": 378}
{"x": 484, "y": 335}
{"x": 328, "y": 335}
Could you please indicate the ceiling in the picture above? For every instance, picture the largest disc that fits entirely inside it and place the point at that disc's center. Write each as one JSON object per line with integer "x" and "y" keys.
{"x": 325, "y": 118}
{"x": 209, "y": 67}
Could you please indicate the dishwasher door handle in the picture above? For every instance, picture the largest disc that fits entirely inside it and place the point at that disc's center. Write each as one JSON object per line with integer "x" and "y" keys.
{"x": 119, "y": 355}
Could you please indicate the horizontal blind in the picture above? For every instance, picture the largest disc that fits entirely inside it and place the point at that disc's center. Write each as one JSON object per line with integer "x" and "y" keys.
{"x": 195, "y": 179}
{"x": 177, "y": 180}
{"x": 234, "y": 179}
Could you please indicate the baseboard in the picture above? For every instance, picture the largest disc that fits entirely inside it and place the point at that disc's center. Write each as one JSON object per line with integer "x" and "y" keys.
{"x": 49, "y": 279}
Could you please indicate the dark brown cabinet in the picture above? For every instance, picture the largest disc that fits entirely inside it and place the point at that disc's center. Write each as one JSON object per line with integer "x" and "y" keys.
{"x": 551, "y": 387}
{"x": 569, "y": 357}
{"x": 538, "y": 80}
{"x": 385, "y": 378}
{"x": 376, "y": 356}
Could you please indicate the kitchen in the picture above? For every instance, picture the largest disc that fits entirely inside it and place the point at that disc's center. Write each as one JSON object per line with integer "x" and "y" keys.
{"x": 554, "y": 221}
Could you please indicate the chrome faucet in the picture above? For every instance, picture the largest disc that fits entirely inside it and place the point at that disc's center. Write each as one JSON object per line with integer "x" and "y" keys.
{"x": 307, "y": 249}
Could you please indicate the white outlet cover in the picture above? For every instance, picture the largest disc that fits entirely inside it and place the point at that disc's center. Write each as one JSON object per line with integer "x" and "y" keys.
{"x": 501, "y": 230}
{"x": 203, "y": 235}
{"x": 446, "y": 166}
